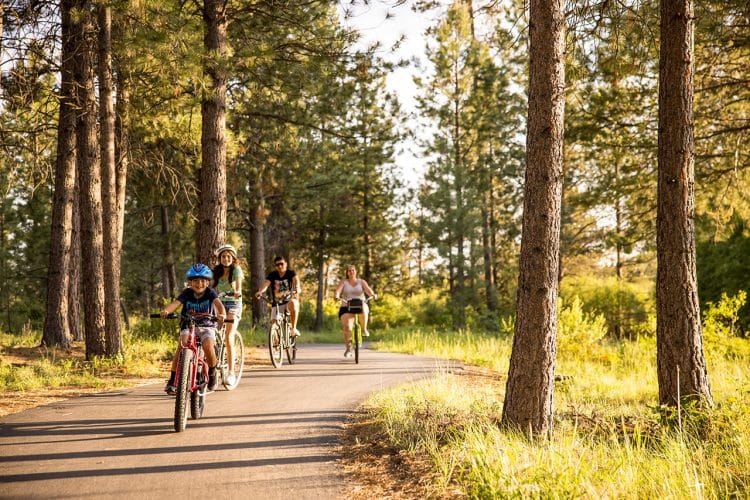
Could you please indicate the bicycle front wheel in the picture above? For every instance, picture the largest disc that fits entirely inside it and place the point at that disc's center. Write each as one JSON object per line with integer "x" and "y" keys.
{"x": 290, "y": 348}
{"x": 238, "y": 358}
{"x": 356, "y": 339}
{"x": 183, "y": 390}
{"x": 274, "y": 345}
{"x": 198, "y": 396}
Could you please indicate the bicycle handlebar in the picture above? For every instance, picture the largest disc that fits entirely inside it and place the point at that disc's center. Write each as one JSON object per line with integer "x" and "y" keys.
{"x": 367, "y": 299}
{"x": 228, "y": 295}
{"x": 187, "y": 316}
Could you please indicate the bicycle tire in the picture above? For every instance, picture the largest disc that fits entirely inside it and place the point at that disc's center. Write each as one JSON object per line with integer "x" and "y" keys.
{"x": 198, "y": 396}
{"x": 357, "y": 335}
{"x": 183, "y": 390}
{"x": 221, "y": 356}
{"x": 274, "y": 345}
{"x": 238, "y": 353}
{"x": 290, "y": 348}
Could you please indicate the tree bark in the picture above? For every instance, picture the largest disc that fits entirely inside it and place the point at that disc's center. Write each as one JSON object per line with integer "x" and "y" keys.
{"x": 681, "y": 365}
{"x": 113, "y": 339}
{"x": 529, "y": 391}
{"x": 212, "y": 223}
{"x": 92, "y": 251}
{"x": 489, "y": 283}
{"x": 321, "y": 264}
{"x": 257, "y": 251}
{"x": 56, "y": 331}
{"x": 169, "y": 281}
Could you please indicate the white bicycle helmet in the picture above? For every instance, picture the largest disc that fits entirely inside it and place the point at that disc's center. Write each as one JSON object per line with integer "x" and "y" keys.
{"x": 226, "y": 248}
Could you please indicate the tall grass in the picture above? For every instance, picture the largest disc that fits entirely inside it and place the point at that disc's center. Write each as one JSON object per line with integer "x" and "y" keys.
{"x": 610, "y": 438}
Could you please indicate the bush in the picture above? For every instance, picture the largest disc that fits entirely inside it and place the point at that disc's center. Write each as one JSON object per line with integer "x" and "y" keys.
{"x": 628, "y": 308}
{"x": 389, "y": 311}
{"x": 720, "y": 319}
{"x": 578, "y": 330}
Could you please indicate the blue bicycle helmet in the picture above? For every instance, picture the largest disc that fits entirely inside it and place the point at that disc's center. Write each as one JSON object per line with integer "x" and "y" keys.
{"x": 199, "y": 271}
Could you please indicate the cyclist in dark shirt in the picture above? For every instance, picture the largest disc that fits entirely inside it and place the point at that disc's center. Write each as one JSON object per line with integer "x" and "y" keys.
{"x": 285, "y": 290}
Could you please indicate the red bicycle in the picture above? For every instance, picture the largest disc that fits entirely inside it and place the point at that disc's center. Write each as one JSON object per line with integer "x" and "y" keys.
{"x": 191, "y": 375}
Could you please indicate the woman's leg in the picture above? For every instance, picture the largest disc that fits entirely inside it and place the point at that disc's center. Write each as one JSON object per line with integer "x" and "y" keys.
{"x": 363, "y": 319}
{"x": 346, "y": 325}
{"x": 228, "y": 329}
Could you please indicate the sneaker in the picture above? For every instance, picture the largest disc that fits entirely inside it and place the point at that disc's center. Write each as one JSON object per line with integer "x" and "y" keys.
{"x": 348, "y": 353}
{"x": 366, "y": 333}
{"x": 171, "y": 389}
{"x": 231, "y": 379}
{"x": 212, "y": 382}
{"x": 296, "y": 333}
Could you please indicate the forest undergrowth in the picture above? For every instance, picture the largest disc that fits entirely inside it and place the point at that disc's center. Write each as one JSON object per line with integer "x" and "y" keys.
{"x": 611, "y": 439}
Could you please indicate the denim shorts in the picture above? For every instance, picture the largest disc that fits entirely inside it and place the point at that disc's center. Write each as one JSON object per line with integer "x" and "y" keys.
{"x": 202, "y": 332}
{"x": 233, "y": 307}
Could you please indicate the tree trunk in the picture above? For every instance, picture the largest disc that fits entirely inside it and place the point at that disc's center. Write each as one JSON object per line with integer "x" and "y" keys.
{"x": 168, "y": 281}
{"x": 530, "y": 387}
{"x": 257, "y": 252}
{"x": 212, "y": 218}
{"x": 122, "y": 146}
{"x": 321, "y": 264}
{"x": 113, "y": 339}
{"x": 74, "y": 280}
{"x": 56, "y": 329}
{"x": 92, "y": 251}
{"x": 489, "y": 283}
{"x": 681, "y": 365}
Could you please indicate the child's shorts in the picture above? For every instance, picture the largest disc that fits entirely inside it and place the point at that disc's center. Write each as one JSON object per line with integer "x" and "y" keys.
{"x": 202, "y": 332}
{"x": 234, "y": 307}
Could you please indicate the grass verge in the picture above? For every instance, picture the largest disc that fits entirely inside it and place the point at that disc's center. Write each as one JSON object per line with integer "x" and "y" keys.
{"x": 610, "y": 438}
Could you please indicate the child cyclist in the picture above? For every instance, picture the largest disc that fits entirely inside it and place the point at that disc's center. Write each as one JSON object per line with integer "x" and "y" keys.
{"x": 198, "y": 300}
{"x": 228, "y": 278}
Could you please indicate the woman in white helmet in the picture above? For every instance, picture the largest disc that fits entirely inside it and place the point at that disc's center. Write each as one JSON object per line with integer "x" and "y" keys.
{"x": 228, "y": 277}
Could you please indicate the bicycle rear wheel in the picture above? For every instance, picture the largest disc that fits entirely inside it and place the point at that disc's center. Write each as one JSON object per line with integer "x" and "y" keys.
{"x": 356, "y": 339}
{"x": 238, "y": 355}
{"x": 183, "y": 390}
{"x": 274, "y": 345}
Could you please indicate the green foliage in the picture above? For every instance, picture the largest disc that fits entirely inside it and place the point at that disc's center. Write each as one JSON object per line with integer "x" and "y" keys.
{"x": 577, "y": 330}
{"x": 628, "y": 307}
{"x": 720, "y": 319}
{"x": 608, "y": 441}
{"x": 144, "y": 357}
{"x": 723, "y": 268}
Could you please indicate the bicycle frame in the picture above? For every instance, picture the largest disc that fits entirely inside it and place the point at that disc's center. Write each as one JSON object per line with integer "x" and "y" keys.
{"x": 279, "y": 336}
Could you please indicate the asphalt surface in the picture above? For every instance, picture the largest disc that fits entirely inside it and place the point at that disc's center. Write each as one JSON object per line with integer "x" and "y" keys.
{"x": 273, "y": 437}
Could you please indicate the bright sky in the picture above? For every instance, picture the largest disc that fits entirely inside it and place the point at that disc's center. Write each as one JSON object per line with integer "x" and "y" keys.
{"x": 372, "y": 22}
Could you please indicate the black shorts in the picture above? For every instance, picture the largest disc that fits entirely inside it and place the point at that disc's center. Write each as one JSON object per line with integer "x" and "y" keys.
{"x": 345, "y": 310}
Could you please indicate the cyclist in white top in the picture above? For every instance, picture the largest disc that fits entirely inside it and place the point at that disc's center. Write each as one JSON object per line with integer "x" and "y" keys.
{"x": 352, "y": 287}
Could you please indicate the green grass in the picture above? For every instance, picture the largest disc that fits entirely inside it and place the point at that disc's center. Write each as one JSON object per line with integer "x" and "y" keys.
{"x": 610, "y": 438}
{"x": 145, "y": 356}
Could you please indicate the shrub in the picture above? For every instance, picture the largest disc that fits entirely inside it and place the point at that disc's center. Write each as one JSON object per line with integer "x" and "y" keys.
{"x": 578, "y": 330}
{"x": 628, "y": 308}
{"x": 720, "y": 319}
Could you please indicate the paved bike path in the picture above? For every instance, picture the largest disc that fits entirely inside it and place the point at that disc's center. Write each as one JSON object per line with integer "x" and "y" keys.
{"x": 273, "y": 437}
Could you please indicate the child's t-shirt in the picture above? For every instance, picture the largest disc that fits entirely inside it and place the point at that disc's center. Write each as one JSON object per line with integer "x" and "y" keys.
{"x": 198, "y": 306}
{"x": 226, "y": 286}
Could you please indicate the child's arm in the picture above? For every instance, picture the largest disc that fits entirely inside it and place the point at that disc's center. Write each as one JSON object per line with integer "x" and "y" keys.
{"x": 170, "y": 308}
